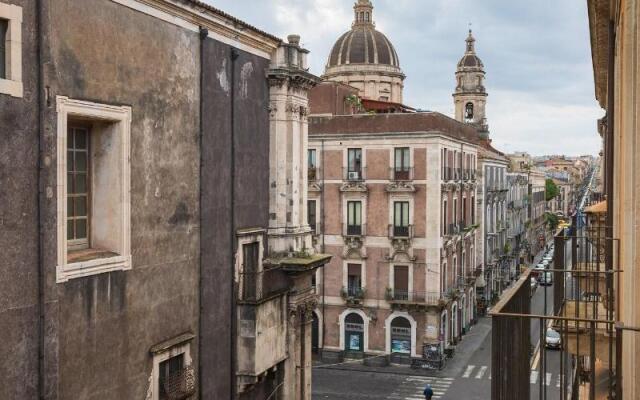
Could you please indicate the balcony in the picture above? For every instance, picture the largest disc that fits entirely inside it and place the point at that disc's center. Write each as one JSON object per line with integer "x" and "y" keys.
{"x": 400, "y": 297}
{"x": 401, "y": 174}
{"x": 313, "y": 174}
{"x": 400, "y": 232}
{"x": 353, "y": 295}
{"x": 354, "y": 230}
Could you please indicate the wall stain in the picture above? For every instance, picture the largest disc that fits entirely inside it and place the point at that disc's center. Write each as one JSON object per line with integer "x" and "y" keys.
{"x": 181, "y": 215}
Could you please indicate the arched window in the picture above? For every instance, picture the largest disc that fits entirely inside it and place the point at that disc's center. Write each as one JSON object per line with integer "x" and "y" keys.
{"x": 367, "y": 17}
{"x": 400, "y": 335}
{"x": 354, "y": 332}
{"x": 468, "y": 112}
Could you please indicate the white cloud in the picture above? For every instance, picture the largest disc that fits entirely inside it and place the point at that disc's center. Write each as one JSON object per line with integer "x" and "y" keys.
{"x": 536, "y": 54}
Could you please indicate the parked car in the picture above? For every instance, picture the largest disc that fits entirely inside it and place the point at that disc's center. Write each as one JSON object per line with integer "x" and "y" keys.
{"x": 534, "y": 285}
{"x": 552, "y": 339}
{"x": 546, "y": 279}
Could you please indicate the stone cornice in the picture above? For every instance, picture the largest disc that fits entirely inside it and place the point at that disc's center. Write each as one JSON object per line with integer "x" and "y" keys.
{"x": 217, "y": 22}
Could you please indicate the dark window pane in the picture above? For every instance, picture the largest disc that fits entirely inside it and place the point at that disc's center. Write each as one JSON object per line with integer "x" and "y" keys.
{"x": 81, "y": 206}
{"x": 81, "y": 183}
{"x": 70, "y": 212}
{"x": 81, "y": 229}
{"x": 81, "y": 139}
{"x": 69, "y": 160}
{"x": 4, "y": 26}
{"x": 70, "y": 231}
{"x": 70, "y": 185}
{"x": 81, "y": 161}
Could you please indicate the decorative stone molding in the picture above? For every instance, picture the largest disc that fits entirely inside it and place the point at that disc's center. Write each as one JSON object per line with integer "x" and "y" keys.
{"x": 354, "y": 245}
{"x": 354, "y": 187}
{"x": 315, "y": 187}
{"x": 400, "y": 187}
{"x": 400, "y": 248}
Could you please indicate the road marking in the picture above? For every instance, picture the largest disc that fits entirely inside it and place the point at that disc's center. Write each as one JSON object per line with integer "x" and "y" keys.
{"x": 548, "y": 380}
{"x": 480, "y": 373}
{"x": 413, "y": 386}
{"x": 468, "y": 371}
{"x": 534, "y": 377}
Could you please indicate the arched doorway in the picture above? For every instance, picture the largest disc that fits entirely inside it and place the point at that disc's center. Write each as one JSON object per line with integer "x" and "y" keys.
{"x": 401, "y": 336}
{"x": 315, "y": 334}
{"x": 354, "y": 333}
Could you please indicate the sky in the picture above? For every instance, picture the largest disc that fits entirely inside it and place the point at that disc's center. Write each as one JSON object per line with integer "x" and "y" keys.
{"x": 536, "y": 54}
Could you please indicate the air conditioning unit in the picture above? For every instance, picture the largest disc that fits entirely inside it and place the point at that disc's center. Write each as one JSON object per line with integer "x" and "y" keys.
{"x": 353, "y": 175}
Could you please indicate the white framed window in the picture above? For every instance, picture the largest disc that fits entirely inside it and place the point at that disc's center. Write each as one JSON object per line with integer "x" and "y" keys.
{"x": 172, "y": 367}
{"x": 249, "y": 266}
{"x": 93, "y": 188}
{"x": 11, "y": 50}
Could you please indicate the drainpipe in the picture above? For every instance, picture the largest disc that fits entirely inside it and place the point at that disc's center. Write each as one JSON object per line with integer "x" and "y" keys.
{"x": 234, "y": 56}
{"x": 40, "y": 200}
{"x": 323, "y": 249}
{"x": 203, "y": 35}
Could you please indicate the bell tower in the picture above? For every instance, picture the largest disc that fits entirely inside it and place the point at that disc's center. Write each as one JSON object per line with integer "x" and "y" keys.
{"x": 470, "y": 96}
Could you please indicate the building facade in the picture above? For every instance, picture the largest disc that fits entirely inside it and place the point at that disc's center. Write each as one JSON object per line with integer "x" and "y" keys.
{"x": 394, "y": 199}
{"x": 148, "y": 255}
{"x": 517, "y": 218}
{"x": 614, "y": 45}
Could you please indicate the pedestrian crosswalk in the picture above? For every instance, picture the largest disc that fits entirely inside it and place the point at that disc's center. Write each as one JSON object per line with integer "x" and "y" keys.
{"x": 412, "y": 388}
{"x": 484, "y": 372}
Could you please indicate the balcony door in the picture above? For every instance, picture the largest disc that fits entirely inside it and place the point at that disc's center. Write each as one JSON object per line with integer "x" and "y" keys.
{"x": 402, "y": 162}
{"x": 354, "y": 164}
{"x": 354, "y": 279}
{"x": 401, "y": 219}
{"x": 354, "y": 218}
{"x": 401, "y": 282}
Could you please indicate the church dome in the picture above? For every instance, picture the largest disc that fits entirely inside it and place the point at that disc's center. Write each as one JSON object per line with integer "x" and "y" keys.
{"x": 363, "y": 44}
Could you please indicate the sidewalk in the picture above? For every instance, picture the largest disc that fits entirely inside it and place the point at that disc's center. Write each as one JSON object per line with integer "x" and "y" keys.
{"x": 467, "y": 347}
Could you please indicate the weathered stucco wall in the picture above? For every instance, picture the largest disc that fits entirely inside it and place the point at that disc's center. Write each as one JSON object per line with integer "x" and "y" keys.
{"x": 103, "y": 326}
{"x": 250, "y": 199}
{"x": 19, "y": 225}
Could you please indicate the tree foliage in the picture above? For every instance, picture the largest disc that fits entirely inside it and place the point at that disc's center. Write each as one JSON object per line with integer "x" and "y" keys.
{"x": 552, "y": 221}
{"x": 552, "y": 190}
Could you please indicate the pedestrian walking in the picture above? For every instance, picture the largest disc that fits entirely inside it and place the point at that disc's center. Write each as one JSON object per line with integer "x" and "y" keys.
{"x": 428, "y": 392}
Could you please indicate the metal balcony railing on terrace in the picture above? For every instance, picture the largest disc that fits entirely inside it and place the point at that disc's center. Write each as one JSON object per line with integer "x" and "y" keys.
{"x": 401, "y": 174}
{"x": 400, "y": 232}
{"x": 578, "y": 320}
{"x": 405, "y": 296}
{"x": 353, "y": 292}
{"x": 354, "y": 175}
{"x": 354, "y": 230}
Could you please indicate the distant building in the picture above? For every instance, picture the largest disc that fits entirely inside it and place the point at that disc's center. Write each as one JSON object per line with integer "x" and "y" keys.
{"x": 394, "y": 194}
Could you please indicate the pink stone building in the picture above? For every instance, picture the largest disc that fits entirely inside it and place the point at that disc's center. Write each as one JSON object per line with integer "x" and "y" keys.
{"x": 393, "y": 198}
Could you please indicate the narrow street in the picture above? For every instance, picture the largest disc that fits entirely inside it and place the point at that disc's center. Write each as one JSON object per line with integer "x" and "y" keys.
{"x": 467, "y": 376}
